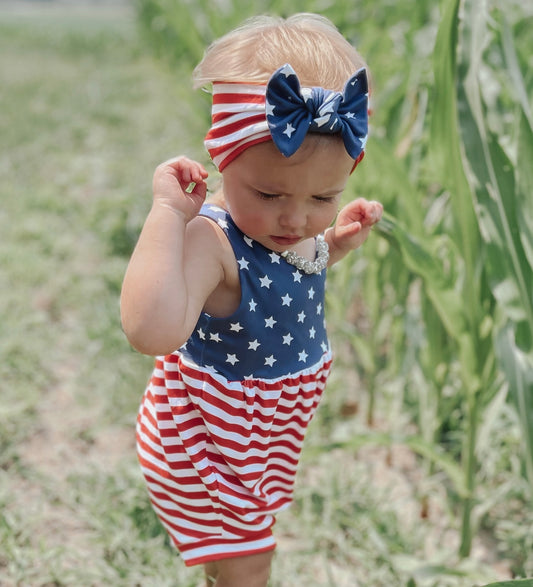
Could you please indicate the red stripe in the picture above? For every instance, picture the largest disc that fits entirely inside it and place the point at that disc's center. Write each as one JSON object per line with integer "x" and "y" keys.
{"x": 232, "y": 127}
{"x": 228, "y": 98}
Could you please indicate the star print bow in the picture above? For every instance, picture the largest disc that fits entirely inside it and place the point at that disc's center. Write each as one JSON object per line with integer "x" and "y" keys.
{"x": 293, "y": 111}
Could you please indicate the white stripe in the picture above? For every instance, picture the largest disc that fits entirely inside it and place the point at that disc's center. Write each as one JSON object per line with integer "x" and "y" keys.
{"x": 185, "y": 525}
{"x": 249, "y": 132}
{"x": 170, "y": 504}
{"x": 246, "y": 110}
{"x": 253, "y": 89}
{"x": 229, "y": 548}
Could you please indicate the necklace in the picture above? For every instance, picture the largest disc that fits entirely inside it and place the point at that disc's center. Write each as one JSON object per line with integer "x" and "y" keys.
{"x": 316, "y": 266}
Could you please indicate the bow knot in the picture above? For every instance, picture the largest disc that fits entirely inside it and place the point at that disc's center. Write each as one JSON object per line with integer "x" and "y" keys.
{"x": 293, "y": 111}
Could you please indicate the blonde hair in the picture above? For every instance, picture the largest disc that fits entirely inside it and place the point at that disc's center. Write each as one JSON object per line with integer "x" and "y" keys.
{"x": 314, "y": 47}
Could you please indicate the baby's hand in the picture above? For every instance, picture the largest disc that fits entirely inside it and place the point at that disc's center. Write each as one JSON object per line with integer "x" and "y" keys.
{"x": 354, "y": 223}
{"x": 179, "y": 184}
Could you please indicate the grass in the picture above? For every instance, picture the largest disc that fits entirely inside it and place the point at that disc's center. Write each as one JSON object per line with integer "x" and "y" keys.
{"x": 86, "y": 113}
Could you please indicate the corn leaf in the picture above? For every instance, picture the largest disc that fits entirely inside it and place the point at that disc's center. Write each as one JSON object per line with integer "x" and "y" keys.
{"x": 431, "y": 452}
{"x": 515, "y": 583}
{"x": 420, "y": 259}
{"x": 518, "y": 368}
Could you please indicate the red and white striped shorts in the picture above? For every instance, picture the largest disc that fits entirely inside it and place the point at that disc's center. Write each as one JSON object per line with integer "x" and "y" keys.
{"x": 220, "y": 457}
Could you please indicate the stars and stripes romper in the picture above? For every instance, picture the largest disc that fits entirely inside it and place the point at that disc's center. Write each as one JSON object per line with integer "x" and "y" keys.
{"x": 223, "y": 418}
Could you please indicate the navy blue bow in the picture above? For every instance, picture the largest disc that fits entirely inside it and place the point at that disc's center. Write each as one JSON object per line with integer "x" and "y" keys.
{"x": 292, "y": 111}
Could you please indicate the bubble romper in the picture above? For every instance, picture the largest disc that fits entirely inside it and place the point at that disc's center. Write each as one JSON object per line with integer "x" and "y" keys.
{"x": 222, "y": 421}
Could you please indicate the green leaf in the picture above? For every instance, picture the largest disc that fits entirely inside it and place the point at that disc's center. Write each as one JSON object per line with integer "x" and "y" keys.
{"x": 515, "y": 583}
{"x": 524, "y": 185}
{"x": 427, "y": 450}
{"x": 420, "y": 258}
{"x": 491, "y": 177}
{"x": 518, "y": 368}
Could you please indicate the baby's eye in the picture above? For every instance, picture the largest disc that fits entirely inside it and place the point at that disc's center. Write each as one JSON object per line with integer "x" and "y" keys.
{"x": 266, "y": 196}
{"x": 325, "y": 199}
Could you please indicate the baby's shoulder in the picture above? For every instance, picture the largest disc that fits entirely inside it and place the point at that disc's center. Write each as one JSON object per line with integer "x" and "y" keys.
{"x": 207, "y": 233}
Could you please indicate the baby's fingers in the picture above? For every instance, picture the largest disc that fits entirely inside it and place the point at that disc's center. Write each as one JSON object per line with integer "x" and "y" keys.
{"x": 188, "y": 171}
{"x": 374, "y": 212}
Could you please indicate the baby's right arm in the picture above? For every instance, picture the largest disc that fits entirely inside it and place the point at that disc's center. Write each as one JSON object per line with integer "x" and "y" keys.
{"x": 175, "y": 265}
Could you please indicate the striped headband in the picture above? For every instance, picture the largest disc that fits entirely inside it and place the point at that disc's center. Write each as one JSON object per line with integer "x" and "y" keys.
{"x": 248, "y": 114}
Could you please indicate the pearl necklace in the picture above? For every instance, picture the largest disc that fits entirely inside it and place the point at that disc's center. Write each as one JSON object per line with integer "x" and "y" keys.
{"x": 316, "y": 266}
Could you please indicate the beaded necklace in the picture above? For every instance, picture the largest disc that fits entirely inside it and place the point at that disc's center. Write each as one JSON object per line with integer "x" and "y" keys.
{"x": 316, "y": 266}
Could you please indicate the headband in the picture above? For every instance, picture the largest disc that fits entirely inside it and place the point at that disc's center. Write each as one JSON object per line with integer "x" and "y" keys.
{"x": 248, "y": 114}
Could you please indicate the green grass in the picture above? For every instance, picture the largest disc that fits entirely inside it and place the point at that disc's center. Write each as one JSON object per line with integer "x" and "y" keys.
{"x": 86, "y": 113}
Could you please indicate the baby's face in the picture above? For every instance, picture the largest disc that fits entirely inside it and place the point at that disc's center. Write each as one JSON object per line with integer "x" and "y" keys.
{"x": 280, "y": 201}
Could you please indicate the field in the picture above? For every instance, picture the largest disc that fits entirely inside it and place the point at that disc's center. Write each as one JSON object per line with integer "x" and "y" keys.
{"x": 87, "y": 110}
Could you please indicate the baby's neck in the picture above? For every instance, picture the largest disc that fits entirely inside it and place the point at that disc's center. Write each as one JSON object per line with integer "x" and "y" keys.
{"x": 218, "y": 199}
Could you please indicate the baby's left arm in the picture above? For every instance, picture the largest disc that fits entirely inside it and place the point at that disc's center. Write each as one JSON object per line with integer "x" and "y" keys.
{"x": 352, "y": 227}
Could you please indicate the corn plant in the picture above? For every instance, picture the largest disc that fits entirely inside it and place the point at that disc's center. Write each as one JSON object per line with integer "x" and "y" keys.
{"x": 498, "y": 187}
{"x": 501, "y": 185}
{"x": 478, "y": 278}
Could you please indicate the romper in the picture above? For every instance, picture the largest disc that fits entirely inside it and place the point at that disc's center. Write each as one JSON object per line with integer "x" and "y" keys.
{"x": 222, "y": 421}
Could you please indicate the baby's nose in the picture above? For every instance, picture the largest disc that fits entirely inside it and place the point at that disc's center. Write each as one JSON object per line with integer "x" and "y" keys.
{"x": 294, "y": 218}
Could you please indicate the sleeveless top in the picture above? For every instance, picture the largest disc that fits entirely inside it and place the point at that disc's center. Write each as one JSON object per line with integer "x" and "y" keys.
{"x": 279, "y": 327}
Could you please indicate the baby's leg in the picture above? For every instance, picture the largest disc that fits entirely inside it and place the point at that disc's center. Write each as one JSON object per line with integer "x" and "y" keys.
{"x": 252, "y": 571}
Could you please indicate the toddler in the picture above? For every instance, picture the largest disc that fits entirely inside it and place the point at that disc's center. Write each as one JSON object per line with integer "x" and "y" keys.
{"x": 229, "y": 294}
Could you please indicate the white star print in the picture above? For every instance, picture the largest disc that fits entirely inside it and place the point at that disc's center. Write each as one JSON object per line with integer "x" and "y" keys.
{"x": 302, "y": 356}
{"x": 252, "y": 305}
{"x": 289, "y": 130}
{"x": 243, "y": 263}
{"x": 322, "y": 120}
{"x": 297, "y": 276}
{"x": 232, "y": 359}
{"x": 287, "y": 339}
{"x": 301, "y": 316}
{"x": 349, "y": 115}
{"x": 269, "y": 322}
{"x": 253, "y": 345}
{"x": 311, "y": 293}
{"x": 270, "y": 360}
{"x": 286, "y": 299}
{"x": 287, "y": 70}
{"x": 249, "y": 241}
{"x": 265, "y": 281}
{"x": 201, "y": 334}
{"x": 319, "y": 308}
{"x": 215, "y": 337}
{"x": 324, "y": 347}
{"x": 306, "y": 93}
{"x": 269, "y": 109}
{"x": 274, "y": 257}
{"x": 222, "y": 223}
{"x": 236, "y": 327}
{"x": 312, "y": 332}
